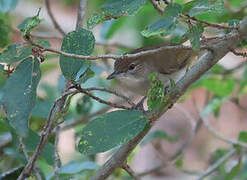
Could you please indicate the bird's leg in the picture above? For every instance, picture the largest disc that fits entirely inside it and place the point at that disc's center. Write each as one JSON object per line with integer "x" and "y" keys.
{"x": 139, "y": 105}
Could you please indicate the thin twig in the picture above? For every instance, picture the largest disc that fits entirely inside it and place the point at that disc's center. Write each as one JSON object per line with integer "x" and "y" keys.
{"x": 81, "y": 13}
{"x": 130, "y": 171}
{"x": 111, "y": 92}
{"x": 103, "y": 101}
{"x": 43, "y": 138}
{"x": 218, "y": 135}
{"x": 127, "y": 56}
{"x": 56, "y": 25}
{"x": 85, "y": 119}
{"x": 219, "y": 26}
{"x": 216, "y": 165}
{"x": 56, "y": 155}
{"x": 194, "y": 129}
{"x": 22, "y": 146}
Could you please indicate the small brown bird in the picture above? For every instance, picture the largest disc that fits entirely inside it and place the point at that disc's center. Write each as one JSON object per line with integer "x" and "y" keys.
{"x": 133, "y": 74}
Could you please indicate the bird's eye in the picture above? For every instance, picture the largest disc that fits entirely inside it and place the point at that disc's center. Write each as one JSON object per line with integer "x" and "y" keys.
{"x": 132, "y": 66}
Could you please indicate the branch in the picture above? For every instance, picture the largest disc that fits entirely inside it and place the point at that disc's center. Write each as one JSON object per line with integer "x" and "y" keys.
{"x": 56, "y": 155}
{"x": 111, "y": 92}
{"x": 214, "y": 167}
{"x": 84, "y": 91}
{"x": 44, "y": 136}
{"x": 219, "y": 136}
{"x": 22, "y": 146}
{"x": 128, "y": 169}
{"x": 207, "y": 61}
{"x": 219, "y": 26}
{"x": 161, "y": 11}
{"x": 81, "y": 13}
{"x": 56, "y": 25}
{"x": 112, "y": 56}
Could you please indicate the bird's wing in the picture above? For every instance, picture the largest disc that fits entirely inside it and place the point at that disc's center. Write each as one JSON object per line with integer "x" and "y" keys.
{"x": 168, "y": 60}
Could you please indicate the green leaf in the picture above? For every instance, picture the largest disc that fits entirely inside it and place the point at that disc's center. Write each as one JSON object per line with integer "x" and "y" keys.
{"x": 43, "y": 43}
{"x": 84, "y": 105}
{"x": 110, "y": 130}
{"x": 156, "y": 93}
{"x": 194, "y": 34}
{"x": 4, "y": 31}
{"x": 243, "y": 136}
{"x": 179, "y": 163}
{"x": 220, "y": 87}
{"x": 115, "y": 9}
{"x": 14, "y": 174}
{"x": 42, "y": 109}
{"x": 79, "y": 42}
{"x": 15, "y": 53}
{"x": 197, "y": 7}
{"x": 172, "y": 10}
{"x": 165, "y": 26}
{"x": 31, "y": 141}
{"x": 157, "y": 134}
{"x": 20, "y": 94}
{"x": 7, "y": 5}
{"x": 1, "y": 68}
{"x": 215, "y": 156}
{"x": 29, "y": 24}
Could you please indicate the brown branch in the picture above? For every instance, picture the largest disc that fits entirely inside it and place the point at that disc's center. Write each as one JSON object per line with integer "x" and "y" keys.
{"x": 219, "y": 26}
{"x": 22, "y": 146}
{"x": 81, "y": 13}
{"x": 194, "y": 129}
{"x": 56, "y": 155}
{"x": 56, "y": 25}
{"x": 218, "y": 135}
{"x": 101, "y": 100}
{"x": 216, "y": 165}
{"x": 111, "y": 92}
{"x": 127, "y": 56}
{"x": 44, "y": 136}
{"x": 130, "y": 171}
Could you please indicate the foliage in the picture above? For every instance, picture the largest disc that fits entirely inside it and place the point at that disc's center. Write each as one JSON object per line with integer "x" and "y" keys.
{"x": 27, "y": 99}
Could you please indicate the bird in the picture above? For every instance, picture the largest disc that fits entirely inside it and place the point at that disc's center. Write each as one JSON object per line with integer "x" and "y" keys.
{"x": 133, "y": 73}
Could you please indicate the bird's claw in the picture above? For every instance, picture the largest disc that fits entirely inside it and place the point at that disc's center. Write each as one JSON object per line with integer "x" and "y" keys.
{"x": 139, "y": 105}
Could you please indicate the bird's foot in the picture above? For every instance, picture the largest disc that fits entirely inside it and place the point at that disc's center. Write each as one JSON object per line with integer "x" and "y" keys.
{"x": 139, "y": 105}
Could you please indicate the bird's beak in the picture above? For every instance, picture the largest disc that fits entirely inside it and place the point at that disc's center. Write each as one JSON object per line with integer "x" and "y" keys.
{"x": 113, "y": 75}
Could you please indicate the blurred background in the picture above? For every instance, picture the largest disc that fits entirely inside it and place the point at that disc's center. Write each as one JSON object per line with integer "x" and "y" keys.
{"x": 220, "y": 95}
